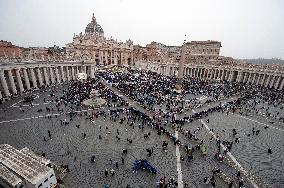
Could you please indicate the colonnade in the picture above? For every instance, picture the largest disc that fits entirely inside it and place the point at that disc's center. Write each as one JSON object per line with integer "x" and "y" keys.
{"x": 18, "y": 78}
{"x": 15, "y": 79}
{"x": 265, "y": 78}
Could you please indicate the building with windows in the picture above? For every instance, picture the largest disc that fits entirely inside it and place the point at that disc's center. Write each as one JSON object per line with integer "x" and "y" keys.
{"x": 93, "y": 46}
{"x": 10, "y": 52}
{"x": 23, "y": 169}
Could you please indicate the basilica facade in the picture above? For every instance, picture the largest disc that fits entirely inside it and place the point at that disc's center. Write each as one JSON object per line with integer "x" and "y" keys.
{"x": 93, "y": 46}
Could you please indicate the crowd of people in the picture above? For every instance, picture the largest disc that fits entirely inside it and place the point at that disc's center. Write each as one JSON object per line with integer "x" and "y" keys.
{"x": 165, "y": 111}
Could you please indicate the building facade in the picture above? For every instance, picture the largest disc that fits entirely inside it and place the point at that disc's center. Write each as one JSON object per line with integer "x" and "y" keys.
{"x": 196, "y": 52}
{"x": 93, "y": 46}
{"x": 10, "y": 52}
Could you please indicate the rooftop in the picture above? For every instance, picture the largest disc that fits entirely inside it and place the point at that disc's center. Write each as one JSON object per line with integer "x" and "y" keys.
{"x": 9, "y": 176}
{"x": 22, "y": 164}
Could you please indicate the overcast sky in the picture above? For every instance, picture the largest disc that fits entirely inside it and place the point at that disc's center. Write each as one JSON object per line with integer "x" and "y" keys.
{"x": 246, "y": 28}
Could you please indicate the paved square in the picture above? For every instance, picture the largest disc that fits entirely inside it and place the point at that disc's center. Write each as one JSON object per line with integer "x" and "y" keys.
{"x": 67, "y": 146}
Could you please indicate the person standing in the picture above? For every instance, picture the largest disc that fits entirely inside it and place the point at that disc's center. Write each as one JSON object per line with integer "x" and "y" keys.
{"x": 49, "y": 134}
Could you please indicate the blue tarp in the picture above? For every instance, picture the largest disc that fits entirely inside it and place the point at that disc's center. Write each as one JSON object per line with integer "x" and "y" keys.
{"x": 143, "y": 164}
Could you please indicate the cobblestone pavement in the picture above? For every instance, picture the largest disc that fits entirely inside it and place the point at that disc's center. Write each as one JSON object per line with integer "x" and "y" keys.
{"x": 68, "y": 147}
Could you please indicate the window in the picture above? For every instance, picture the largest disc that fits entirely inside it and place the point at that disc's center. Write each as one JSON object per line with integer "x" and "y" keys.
{"x": 40, "y": 185}
{"x": 46, "y": 180}
{"x": 51, "y": 175}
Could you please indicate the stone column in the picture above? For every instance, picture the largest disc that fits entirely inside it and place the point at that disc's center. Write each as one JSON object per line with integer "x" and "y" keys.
{"x": 253, "y": 78}
{"x": 267, "y": 81}
{"x": 4, "y": 84}
{"x": 27, "y": 80}
{"x": 111, "y": 57}
{"x": 245, "y": 77}
{"x": 100, "y": 58}
{"x": 217, "y": 73}
{"x": 233, "y": 78}
{"x": 39, "y": 76}
{"x": 212, "y": 74}
{"x": 51, "y": 75}
{"x": 249, "y": 77}
{"x": 277, "y": 82}
{"x": 193, "y": 72}
{"x": 239, "y": 76}
{"x": 132, "y": 59}
{"x": 115, "y": 57}
{"x": 208, "y": 74}
{"x": 19, "y": 81}
{"x": 62, "y": 74}
{"x": 12, "y": 82}
{"x": 92, "y": 72}
{"x": 258, "y": 79}
{"x": 272, "y": 81}
{"x": 205, "y": 73}
{"x": 33, "y": 78}
{"x": 57, "y": 75}
{"x": 73, "y": 73}
{"x": 227, "y": 75}
{"x": 282, "y": 84}
{"x": 196, "y": 72}
{"x": 223, "y": 75}
{"x": 242, "y": 77}
{"x": 201, "y": 73}
{"x": 262, "y": 79}
{"x": 121, "y": 58}
{"x": 106, "y": 57}
{"x": 45, "y": 76}
{"x": 125, "y": 58}
{"x": 230, "y": 76}
{"x": 68, "y": 73}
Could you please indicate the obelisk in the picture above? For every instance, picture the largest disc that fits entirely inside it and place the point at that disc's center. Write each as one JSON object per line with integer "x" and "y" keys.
{"x": 181, "y": 68}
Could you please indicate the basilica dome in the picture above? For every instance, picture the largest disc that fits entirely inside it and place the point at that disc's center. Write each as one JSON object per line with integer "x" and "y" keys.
{"x": 94, "y": 27}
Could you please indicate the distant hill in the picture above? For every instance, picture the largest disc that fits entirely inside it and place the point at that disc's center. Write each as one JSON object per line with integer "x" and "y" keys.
{"x": 265, "y": 61}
